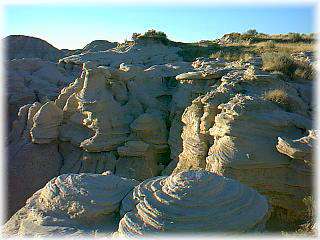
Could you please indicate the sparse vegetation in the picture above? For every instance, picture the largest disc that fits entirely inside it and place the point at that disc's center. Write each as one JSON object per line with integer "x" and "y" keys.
{"x": 270, "y": 44}
{"x": 295, "y": 37}
{"x": 152, "y": 34}
{"x": 278, "y": 96}
{"x": 281, "y": 62}
{"x": 252, "y": 32}
{"x": 190, "y": 51}
{"x": 308, "y": 226}
{"x": 232, "y": 56}
{"x": 243, "y": 48}
{"x": 303, "y": 70}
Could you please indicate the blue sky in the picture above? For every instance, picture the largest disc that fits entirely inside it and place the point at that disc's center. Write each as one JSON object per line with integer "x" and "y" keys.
{"x": 73, "y": 26}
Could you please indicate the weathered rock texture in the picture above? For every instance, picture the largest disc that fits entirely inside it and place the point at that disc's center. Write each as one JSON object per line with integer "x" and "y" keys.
{"x": 142, "y": 53}
{"x": 139, "y": 111}
{"x": 194, "y": 201}
{"x": 114, "y": 119}
{"x": 31, "y": 80}
{"x": 233, "y": 130}
{"x": 299, "y": 149}
{"x": 46, "y": 122}
{"x": 72, "y": 205}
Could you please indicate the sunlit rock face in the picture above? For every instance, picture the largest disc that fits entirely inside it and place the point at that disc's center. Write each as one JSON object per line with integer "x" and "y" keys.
{"x": 138, "y": 111}
{"x": 122, "y": 113}
{"x": 146, "y": 54}
{"x": 107, "y": 119}
{"x": 72, "y": 205}
{"x": 194, "y": 201}
{"x": 233, "y": 131}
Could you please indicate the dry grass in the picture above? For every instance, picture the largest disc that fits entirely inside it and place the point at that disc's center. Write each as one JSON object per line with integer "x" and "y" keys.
{"x": 267, "y": 46}
{"x": 229, "y": 56}
{"x": 303, "y": 70}
{"x": 281, "y": 62}
{"x": 278, "y": 96}
{"x": 308, "y": 227}
{"x": 263, "y": 47}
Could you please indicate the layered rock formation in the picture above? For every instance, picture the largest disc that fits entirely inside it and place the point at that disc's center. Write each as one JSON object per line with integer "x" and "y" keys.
{"x": 138, "y": 111}
{"x": 107, "y": 119}
{"x": 233, "y": 131}
{"x": 72, "y": 205}
{"x": 194, "y": 201}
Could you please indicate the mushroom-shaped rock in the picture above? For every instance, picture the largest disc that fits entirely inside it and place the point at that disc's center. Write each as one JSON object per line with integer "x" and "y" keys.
{"x": 72, "y": 204}
{"x": 194, "y": 201}
{"x": 46, "y": 123}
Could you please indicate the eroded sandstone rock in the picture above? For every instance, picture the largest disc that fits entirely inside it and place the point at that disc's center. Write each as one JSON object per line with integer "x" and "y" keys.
{"x": 31, "y": 80}
{"x": 299, "y": 149}
{"x": 194, "y": 201}
{"x": 146, "y": 53}
{"x": 233, "y": 131}
{"x": 72, "y": 205}
{"x": 46, "y": 122}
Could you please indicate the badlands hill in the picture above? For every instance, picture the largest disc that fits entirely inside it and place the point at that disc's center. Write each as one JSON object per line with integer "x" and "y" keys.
{"x": 157, "y": 136}
{"x": 20, "y": 46}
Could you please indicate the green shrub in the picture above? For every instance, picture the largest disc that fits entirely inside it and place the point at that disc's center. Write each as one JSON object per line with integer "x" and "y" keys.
{"x": 281, "y": 62}
{"x": 152, "y": 34}
{"x": 251, "y": 32}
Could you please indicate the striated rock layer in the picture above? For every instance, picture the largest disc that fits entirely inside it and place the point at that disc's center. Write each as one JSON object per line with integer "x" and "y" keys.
{"x": 106, "y": 120}
{"x": 139, "y": 111}
{"x": 194, "y": 201}
{"x": 72, "y": 205}
{"x": 233, "y": 131}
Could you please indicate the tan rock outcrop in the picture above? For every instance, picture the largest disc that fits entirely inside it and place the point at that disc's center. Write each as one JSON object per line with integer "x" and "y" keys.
{"x": 46, "y": 123}
{"x": 238, "y": 129}
{"x": 190, "y": 86}
{"x": 141, "y": 112}
{"x": 194, "y": 201}
{"x": 30, "y": 79}
{"x": 299, "y": 149}
{"x": 142, "y": 53}
{"x": 72, "y": 205}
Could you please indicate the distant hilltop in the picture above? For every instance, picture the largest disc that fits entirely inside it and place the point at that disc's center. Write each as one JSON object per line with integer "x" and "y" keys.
{"x": 231, "y": 46}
